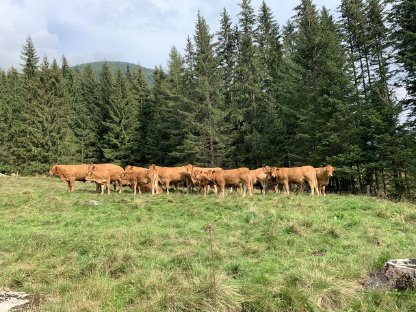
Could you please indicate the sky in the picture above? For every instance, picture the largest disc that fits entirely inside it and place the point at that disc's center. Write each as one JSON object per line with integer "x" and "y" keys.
{"x": 137, "y": 31}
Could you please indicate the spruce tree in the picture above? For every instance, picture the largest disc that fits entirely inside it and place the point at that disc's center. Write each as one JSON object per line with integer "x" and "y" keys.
{"x": 105, "y": 88}
{"x": 249, "y": 96}
{"x": 140, "y": 96}
{"x": 402, "y": 17}
{"x": 23, "y": 149}
{"x": 10, "y": 102}
{"x": 120, "y": 124}
{"x": 206, "y": 141}
{"x": 268, "y": 121}
{"x": 85, "y": 122}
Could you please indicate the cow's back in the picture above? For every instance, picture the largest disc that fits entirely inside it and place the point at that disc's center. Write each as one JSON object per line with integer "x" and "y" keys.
{"x": 77, "y": 172}
{"x": 108, "y": 170}
{"x": 171, "y": 173}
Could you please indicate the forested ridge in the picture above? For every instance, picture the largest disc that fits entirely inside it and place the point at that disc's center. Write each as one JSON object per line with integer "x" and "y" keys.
{"x": 125, "y": 67}
{"x": 317, "y": 90}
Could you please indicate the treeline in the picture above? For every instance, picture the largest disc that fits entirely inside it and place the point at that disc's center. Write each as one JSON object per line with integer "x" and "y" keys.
{"x": 314, "y": 91}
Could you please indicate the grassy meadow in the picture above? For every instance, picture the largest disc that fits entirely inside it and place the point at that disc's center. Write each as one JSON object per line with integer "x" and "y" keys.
{"x": 86, "y": 252}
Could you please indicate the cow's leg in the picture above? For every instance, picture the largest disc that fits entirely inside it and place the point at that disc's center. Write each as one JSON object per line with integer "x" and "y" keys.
{"x": 313, "y": 187}
{"x": 108, "y": 182}
{"x": 323, "y": 190}
{"x": 102, "y": 188}
{"x": 167, "y": 186}
{"x": 263, "y": 187}
{"x": 119, "y": 185}
{"x": 71, "y": 184}
{"x": 222, "y": 190}
{"x": 286, "y": 184}
{"x": 134, "y": 187}
{"x": 155, "y": 186}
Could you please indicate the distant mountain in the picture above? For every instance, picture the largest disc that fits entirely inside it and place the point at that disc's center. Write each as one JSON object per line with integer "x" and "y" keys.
{"x": 97, "y": 66}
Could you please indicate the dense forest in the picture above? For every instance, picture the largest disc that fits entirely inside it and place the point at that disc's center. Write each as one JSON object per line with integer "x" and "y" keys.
{"x": 317, "y": 90}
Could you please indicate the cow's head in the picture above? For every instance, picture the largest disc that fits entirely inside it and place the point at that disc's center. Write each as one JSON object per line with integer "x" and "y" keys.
{"x": 128, "y": 168}
{"x": 92, "y": 175}
{"x": 274, "y": 171}
{"x": 53, "y": 170}
{"x": 330, "y": 170}
{"x": 124, "y": 175}
{"x": 268, "y": 171}
{"x": 195, "y": 176}
{"x": 152, "y": 166}
{"x": 189, "y": 168}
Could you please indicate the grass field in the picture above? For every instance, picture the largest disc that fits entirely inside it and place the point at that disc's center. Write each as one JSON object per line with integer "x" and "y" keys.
{"x": 86, "y": 252}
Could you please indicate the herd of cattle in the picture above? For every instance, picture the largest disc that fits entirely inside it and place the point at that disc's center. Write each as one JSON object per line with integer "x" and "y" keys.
{"x": 152, "y": 178}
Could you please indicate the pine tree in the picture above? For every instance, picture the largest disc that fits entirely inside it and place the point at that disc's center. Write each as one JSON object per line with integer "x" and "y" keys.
{"x": 10, "y": 101}
{"x": 85, "y": 122}
{"x": 120, "y": 125}
{"x": 268, "y": 121}
{"x": 226, "y": 51}
{"x": 206, "y": 142}
{"x": 140, "y": 95}
{"x": 402, "y": 17}
{"x": 23, "y": 150}
{"x": 151, "y": 126}
{"x": 54, "y": 115}
{"x": 105, "y": 88}
{"x": 249, "y": 96}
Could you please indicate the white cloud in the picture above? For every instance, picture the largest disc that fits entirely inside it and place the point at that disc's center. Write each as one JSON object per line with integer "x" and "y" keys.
{"x": 138, "y": 31}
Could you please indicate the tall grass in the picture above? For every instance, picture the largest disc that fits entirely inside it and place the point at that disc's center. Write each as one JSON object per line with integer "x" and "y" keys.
{"x": 86, "y": 252}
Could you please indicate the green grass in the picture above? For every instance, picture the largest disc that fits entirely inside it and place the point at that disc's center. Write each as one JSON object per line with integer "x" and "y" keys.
{"x": 86, "y": 252}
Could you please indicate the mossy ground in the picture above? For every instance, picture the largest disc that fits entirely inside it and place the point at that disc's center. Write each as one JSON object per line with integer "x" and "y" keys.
{"x": 86, "y": 252}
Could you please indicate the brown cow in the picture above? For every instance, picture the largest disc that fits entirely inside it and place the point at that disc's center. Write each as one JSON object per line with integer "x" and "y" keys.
{"x": 105, "y": 174}
{"x": 261, "y": 175}
{"x": 204, "y": 171}
{"x": 70, "y": 173}
{"x": 203, "y": 178}
{"x": 235, "y": 178}
{"x": 322, "y": 176}
{"x": 138, "y": 176}
{"x": 296, "y": 175}
{"x": 174, "y": 175}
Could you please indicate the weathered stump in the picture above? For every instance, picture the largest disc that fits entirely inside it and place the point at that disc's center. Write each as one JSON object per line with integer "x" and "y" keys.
{"x": 401, "y": 273}
{"x": 11, "y": 299}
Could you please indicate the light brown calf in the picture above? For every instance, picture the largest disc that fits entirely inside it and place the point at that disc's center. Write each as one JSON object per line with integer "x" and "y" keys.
{"x": 138, "y": 177}
{"x": 235, "y": 178}
{"x": 174, "y": 175}
{"x": 296, "y": 175}
{"x": 195, "y": 181}
{"x": 70, "y": 173}
{"x": 261, "y": 175}
{"x": 105, "y": 174}
{"x": 322, "y": 176}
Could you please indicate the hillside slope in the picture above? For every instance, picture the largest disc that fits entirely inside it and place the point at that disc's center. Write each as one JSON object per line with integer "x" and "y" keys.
{"x": 97, "y": 66}
{"x": 86, "y": 252}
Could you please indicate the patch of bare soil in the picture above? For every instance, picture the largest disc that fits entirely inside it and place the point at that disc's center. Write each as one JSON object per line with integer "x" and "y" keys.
{"x": 375, "y": 280}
